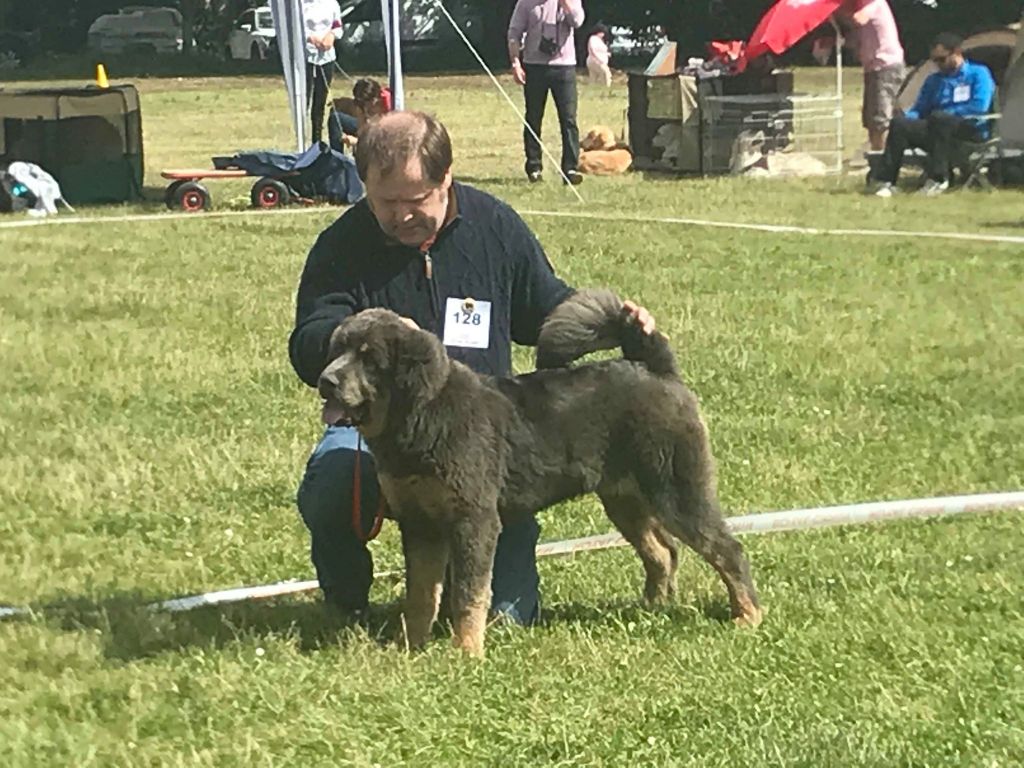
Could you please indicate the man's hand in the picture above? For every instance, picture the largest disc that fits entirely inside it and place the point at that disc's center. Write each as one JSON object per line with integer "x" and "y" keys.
{"x": 518, "y": 73}
{"x": 639, "y": 316}
{"x": 410, "y": 322}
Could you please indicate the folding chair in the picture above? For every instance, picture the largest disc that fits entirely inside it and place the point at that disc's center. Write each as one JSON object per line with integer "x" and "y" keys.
{"x": 972, "y": 159}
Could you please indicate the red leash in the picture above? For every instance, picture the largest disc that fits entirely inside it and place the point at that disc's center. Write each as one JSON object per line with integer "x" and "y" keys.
{"x": 357, "y": 501}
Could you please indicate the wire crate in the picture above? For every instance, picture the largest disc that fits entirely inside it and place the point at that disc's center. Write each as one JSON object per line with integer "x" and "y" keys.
{"x": 772, "y": 134}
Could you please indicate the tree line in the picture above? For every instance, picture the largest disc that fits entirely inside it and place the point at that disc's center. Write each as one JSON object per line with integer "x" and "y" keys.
{"x": 61, "y": 25}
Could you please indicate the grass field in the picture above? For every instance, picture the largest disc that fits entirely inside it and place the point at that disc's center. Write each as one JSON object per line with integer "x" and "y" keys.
{"x": 152, "y": 435}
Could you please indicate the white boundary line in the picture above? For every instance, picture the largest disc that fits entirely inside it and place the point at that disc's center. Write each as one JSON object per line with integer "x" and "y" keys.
{"x": 785, "y": 229}
{"x": 768, "y": 522}
{"x": 169, "y": 216}
{"x": 782, "y": 229}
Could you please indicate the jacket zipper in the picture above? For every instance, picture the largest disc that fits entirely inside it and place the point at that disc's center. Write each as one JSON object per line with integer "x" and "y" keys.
{"x": 428, "y": 272}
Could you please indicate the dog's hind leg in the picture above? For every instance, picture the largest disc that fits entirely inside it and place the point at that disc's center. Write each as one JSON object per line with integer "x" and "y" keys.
{"x": 474, "y": 538}
{"x": 656, "y": 548}
{"x": 695, "y": 518}
{"x": 426, "y": 557}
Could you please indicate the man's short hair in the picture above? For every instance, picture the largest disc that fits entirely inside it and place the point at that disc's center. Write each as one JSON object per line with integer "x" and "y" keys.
{"x": 949, "y": 40}
{"x": 366, "y": 91}
{"x": 392, "y": 141}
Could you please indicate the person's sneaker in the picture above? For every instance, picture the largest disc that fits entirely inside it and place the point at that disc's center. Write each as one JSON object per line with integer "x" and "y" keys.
{"x": 534, "y": 176}
{"x": 885, "y": 189}
{"x": 933, "y": 188}
{"x": 574, "y": 177}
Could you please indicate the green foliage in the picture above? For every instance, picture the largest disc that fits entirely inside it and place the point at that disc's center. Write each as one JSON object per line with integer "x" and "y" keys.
{"x": 152, "y": 435}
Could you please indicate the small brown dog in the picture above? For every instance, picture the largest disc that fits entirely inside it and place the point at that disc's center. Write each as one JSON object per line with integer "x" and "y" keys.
{"x": 603, "y": 154}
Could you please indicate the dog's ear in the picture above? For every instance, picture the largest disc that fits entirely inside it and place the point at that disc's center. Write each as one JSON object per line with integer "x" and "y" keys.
{"x": 420, "y": 364}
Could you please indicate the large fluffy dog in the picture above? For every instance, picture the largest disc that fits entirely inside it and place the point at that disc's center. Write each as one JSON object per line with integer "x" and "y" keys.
{"x": 458, "y": 453}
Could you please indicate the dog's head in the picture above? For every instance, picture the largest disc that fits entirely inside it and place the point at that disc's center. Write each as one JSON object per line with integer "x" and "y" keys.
{"x": 600, "y": 137}
{"x": 380, "y": 365}
{"x": 747, "y": 149}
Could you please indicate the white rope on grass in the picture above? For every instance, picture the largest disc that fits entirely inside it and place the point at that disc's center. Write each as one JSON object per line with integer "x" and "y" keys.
{"x": 515, "y": 109}
{"x": 784, "y": 229}
{"x": 766, "y": 522}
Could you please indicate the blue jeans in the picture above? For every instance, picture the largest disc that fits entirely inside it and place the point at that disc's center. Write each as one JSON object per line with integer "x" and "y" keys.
{"x": 344, "y": 565}
{"x": 338, "y": 124}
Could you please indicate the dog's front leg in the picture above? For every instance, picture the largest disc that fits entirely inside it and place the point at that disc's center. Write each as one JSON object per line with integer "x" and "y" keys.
{"x": 426, "y": 557}
{"x": 474, "y": 538}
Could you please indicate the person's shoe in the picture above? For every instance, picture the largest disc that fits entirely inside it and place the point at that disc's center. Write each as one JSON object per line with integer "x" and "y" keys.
{"x": 885, "y": 189}
{"x": 574, "y": 177}
{"x": 933, "y": 188}
{"x": 508, "y": 613}
{"x": 347, "y": 610}
{"x": 534, "y": 176}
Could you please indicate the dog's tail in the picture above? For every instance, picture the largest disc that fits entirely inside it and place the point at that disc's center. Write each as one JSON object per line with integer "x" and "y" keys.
{"x": 590, "y": 320}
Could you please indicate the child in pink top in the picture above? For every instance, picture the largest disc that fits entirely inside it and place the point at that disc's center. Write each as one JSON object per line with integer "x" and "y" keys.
{"x": 598, "y": 56}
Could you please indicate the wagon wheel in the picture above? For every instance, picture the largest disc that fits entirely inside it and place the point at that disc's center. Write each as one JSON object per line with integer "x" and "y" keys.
{"x": 270, "y": 193}
{"x": 170, "y": 194}
{"x": 192, "y": 197}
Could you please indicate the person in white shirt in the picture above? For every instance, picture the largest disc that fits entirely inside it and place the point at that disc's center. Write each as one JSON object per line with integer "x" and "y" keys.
{"x": 598, "y": 56}
{"x": 323, "y": 22}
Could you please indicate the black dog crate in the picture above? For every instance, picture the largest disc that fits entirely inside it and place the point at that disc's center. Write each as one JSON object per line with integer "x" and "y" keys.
{"x": 668, "y": 115}
{"x": 88, "y": 139}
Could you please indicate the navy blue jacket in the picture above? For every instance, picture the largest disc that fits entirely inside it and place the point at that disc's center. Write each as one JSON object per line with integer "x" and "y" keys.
{"x": 486, "y": 252}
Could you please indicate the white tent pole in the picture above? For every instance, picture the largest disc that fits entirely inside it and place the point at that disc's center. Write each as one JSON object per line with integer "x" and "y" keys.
{"x": 291, "y": 43}
{"x": 839, "y": 93}
{"x": 391, "y": 14}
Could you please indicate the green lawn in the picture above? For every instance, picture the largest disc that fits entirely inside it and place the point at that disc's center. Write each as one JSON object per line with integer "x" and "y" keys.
{"x": 152, "y": 435}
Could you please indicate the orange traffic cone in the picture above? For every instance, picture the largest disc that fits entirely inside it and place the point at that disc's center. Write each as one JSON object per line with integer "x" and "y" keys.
{"x": 101, "y": 76}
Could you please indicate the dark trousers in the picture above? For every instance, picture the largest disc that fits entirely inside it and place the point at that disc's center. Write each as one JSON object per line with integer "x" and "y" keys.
{"x": 560, "y": 81}
{"x": 344, "y": 565}
{"x": 937, "y": 135}
{"x": 339, "y": 124}
{"x": 318, "y": 86}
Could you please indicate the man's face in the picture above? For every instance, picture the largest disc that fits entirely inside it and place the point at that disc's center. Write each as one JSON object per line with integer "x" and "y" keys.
{"x": 946, "y": 60}
{"x": 408, "y": 207}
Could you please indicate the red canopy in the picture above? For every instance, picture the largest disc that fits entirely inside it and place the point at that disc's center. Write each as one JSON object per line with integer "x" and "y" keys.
{"x": 786, "y": 22}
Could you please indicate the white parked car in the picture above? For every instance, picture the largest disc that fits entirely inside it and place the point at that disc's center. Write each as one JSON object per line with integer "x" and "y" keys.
{"x": 253, "y": 35}
{"x": 137, "y": 29}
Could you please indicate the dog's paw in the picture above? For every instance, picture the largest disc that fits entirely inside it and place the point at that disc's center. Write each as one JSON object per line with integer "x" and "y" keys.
{"x": 472, "y": 647}
{"x": 750, "y": 618}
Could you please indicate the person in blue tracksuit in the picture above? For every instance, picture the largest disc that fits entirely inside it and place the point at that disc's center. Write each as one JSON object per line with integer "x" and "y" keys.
{"x": 947, "y": 110}
{"x": 420, "y": 244}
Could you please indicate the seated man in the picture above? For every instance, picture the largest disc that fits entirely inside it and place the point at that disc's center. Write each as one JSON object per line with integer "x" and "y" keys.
{"x": 946, "y": 111}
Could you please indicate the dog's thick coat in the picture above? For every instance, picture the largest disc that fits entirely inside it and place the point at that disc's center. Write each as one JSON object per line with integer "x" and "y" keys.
{"x": 458, "y": 453}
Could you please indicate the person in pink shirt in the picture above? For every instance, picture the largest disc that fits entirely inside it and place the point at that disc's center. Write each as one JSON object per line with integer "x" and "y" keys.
{"x": 598, "y": 56}
{"x": 881, "y": 56}
{"x": 542, "y": 48}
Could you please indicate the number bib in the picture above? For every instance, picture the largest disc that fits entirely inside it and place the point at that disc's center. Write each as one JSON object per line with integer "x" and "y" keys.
{"x": 467, "y": 323}
{"x": 961, "y": 93}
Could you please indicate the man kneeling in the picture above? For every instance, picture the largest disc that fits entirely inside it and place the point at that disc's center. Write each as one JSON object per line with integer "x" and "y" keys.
{"x": 946, "y": 111}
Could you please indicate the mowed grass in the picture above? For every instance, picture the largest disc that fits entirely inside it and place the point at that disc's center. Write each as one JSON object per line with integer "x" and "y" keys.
{"x": 153, "y": 435}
